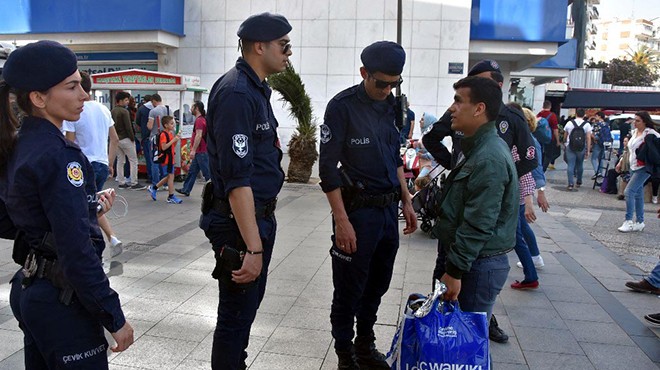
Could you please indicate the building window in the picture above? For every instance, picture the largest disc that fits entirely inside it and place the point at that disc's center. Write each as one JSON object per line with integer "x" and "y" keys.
{"x": 604, "y": 35}
{"x": 625, "y": 34}
{"x": 624, "y": 47}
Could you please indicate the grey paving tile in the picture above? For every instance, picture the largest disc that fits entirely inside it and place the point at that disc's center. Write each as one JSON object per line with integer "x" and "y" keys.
{"x": 582, "y": 311}
{"x": 615, "y": 357}
{"x": 174, "y": 248}
{"x": 535, "y": 317}
{"x": 271, "y": 361}
{"x": 599, "y": 332}
{"x": 265, "y": 324}
{"x": 190, "y": 364}
{"x": 277, "y": 304}
{"x": 527, "y": 298}
{"x": 155, "y": 353}
{"x": 200, "y": 304}
{"x": 195, "y": 328}
{"x": 14, "y": 361}
{"x": 509, "y": 366}
{"x": 12, "y": 341}
{"x": 284, "y": 287}
{"x": 171, "y": 292}
{"x": 190, "y": 276}
{"x": 561, "y": 294}
{"x": 299, "y": 342}
{"x": 307, "y": 318}
{"x": 548, "y": 340}
{"x": 553, "y": 361}
{"x": 509, "y": 352}
{"x": 146, "y": 309}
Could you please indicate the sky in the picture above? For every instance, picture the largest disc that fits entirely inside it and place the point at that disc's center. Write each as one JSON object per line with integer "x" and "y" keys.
{"x": 647, "y": 9}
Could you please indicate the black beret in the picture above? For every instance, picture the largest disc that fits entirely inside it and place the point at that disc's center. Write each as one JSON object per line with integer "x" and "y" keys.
{"x": 484, "y": 66}
{"x": 384, "y": 56}
{"x": 38, "y": 66}
{"x": 264, "y": 27}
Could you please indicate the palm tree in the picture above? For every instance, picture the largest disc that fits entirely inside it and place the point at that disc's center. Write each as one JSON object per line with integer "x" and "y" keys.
{"x": 644, "y": 56}
{"x": 302, "y": 146}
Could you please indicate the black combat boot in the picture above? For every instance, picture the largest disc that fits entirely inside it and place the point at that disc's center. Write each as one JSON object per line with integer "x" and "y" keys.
{"x": 368, "y": 356}
{"x": 495, "y": 333}
{"x": 347, "y": 360}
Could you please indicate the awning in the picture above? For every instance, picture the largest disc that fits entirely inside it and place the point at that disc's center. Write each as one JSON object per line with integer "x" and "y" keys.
{"x": 611, "y": 99}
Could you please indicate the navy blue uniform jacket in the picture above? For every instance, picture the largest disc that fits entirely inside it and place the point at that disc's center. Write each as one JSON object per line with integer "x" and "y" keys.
{"x": 360, "y": 133}
{"x": 49, "y": 187}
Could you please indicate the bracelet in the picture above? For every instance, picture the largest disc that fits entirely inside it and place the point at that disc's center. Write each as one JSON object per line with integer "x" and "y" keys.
{"x": 253, "y": 253}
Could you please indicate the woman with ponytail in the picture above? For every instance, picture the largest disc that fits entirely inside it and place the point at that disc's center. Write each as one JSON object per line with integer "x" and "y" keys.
{"x": 49, "y": 205}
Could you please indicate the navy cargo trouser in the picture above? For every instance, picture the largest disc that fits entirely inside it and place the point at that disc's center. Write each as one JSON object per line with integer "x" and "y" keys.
{"x": 362, "y": 278}
{"x": 237, "y": 306}
{"x": 56, "y": 336}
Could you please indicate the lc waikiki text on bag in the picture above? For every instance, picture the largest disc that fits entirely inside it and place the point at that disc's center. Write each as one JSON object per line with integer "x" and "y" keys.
{"x": 438, "y": 335}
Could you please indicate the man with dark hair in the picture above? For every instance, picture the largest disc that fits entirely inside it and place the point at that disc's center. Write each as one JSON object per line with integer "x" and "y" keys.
{"x": 479, "y": 204}
{"x": 577, "y": 147}
{"x": 238, "y": 214}
{"x": 553, "y": 149}
{"x": 126, "y": 147}
{"x": 199, "y": 159}
{"x": 359, "y": 132}
{"x": 512, "y": 128}
{"x": 141, "y": 119}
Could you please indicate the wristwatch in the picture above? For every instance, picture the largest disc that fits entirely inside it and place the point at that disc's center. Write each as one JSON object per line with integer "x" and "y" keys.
{"x": 542, "y": 188}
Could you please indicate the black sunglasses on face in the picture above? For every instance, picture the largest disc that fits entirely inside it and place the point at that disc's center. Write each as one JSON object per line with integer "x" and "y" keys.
{"x": 380, "y": 84}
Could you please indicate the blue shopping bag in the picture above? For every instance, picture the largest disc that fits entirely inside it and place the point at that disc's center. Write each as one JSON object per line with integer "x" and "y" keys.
{"x": 444, "y": 338}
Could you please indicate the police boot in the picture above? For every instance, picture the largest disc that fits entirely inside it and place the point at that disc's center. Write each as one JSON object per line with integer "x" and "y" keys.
{"x": 368, "y": 356}
{"x": 347, "y": 359}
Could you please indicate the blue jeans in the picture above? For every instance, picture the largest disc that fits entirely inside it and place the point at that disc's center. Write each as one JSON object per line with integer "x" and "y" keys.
{"x": 146, "y": 151}
{"x": 597, "y": 152}
{"x": 361, "y": 279}
{"x": 654, "y": 277}
{"x": 575, "y": 161}
{"x": 635, "y": 194}
{"x": 481, "y": 285}
{"x": 522, "y": 250}
{"x": 200, "y": 162}
{"x": 101, "y": 172}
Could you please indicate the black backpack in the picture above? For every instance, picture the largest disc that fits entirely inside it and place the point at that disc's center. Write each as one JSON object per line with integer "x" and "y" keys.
{"x": 577, "y": 138}
{"x": 158, "y": 154}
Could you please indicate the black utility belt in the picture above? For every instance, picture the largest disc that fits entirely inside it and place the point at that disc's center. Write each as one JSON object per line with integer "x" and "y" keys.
{"x": 224, "y": 207}
{"x": 38, "y": 266}
{"x": 495, "y": 254}
{"x": 379, "y": 200}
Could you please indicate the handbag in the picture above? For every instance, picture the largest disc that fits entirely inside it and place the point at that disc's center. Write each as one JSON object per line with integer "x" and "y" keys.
{"x": 439, "y": 335}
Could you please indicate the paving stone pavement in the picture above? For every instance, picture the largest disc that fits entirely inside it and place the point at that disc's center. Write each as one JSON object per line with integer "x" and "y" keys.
{"x": 581, "y": 317}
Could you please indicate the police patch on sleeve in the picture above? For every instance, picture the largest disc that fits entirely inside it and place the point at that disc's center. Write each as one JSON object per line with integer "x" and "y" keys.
{"x": 326, "y": 134}
{"x": 530, "y": 153}
{"x": 74, "y": 174}
{"x": 240, "y": 145}
{"x": 504, "y": 125}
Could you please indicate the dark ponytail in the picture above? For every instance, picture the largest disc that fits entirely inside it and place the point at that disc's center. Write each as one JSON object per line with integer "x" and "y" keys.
{"x": 8, "y": 126}
{"x": 200, "y": 107}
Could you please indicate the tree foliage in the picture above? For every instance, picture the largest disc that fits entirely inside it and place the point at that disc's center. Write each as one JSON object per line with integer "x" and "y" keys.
{"x": 622, "y": 72}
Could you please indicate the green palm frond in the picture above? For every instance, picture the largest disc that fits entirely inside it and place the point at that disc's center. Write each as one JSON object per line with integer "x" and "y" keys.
{"x": 289, "y": 84}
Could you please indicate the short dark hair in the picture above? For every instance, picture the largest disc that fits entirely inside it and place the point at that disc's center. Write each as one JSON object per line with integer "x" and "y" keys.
{"x": 646, "y": 118}
{"x": 121, "y": 96}
{"x": 166, "y": 119}
{"x": 146, "y": 98}
{"x": 579, "y": 112}
{"x": 547, "y": 104}
{"x": 156, "y": 97}
{"x": 483, "y": 90}
{"x": 85, "y": 81}
{"x": 601, "y": 114}
{"x": 514, "y": 105}
{"x": 497, "y": 76}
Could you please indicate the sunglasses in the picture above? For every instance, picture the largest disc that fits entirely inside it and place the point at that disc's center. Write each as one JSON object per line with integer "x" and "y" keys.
{"x": 380, "y": 84}
{"x": 285, "y": 48}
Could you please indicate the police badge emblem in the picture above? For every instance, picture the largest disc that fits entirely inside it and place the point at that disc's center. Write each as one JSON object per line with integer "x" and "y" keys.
{"x": 326, "y": 134}
{"x": 74, "y": 174}
{"x": 240, "y": 145}
{"x": 504, "y": 125}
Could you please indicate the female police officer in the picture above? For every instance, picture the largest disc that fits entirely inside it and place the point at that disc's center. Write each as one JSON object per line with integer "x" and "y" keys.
{"x": 48, "y": 205}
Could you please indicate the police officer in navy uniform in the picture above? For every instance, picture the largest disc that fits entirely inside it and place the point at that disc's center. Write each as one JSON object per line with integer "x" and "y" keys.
{"x": 359, "y": 133}
{"x": 49, "y": 206}
{"x": 512, "y": 128}
{"x": 246, "y": 176}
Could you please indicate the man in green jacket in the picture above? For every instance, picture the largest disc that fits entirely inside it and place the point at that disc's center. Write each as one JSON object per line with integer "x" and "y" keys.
{"x": 479, "y": 206}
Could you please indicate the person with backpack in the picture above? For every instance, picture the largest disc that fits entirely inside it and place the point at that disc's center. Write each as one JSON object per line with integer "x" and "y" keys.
{"x": 601, "y": 135}
{"x": 551, "y": 150}
{"x": 578, "y": 145}
{"x": 164, "y": 157}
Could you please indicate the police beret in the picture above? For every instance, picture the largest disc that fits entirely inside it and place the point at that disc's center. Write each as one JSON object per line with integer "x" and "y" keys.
{"x": 38, "y": 66}
{"x": 384, "y": 56}
{"x": 264, "y": 27}
{"x": 484, "y": 66}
